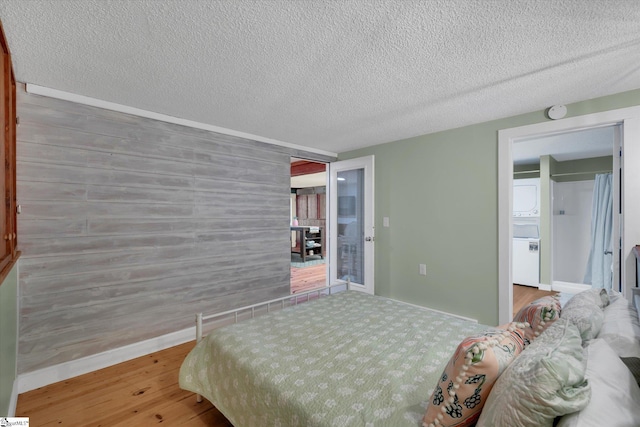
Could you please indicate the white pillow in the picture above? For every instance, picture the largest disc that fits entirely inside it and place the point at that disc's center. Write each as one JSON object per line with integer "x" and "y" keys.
{"x": 615, "y": 395}
{"x": 588, "y": 317}
{"x": 597, "y": 296}
{"x": 621, "y": 327}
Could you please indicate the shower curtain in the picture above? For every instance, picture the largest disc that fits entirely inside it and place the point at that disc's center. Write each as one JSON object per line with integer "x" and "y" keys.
{"x": 599, "y": 272}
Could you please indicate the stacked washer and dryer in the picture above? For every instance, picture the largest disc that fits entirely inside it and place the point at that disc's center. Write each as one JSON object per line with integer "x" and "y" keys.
{"x": 526, "y": 232}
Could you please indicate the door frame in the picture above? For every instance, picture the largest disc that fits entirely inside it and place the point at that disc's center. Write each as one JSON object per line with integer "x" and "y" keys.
{"x": 629, "y": 118}
{"x": 367, "y": 163}
{"x": 306, "y": 170}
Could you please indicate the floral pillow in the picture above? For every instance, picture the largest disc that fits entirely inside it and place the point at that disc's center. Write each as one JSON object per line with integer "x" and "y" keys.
{"x": 539, "y": 314}
{"x": 469, "y": 375}
{"x": 546, "y": 381}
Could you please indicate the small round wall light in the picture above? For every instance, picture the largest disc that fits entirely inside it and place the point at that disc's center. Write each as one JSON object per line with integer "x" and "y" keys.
{"x": 557, "y": 112}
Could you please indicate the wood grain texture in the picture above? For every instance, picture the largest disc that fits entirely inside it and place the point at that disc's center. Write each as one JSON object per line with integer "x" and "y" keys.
{"x": 140, "y": 392}
{"x": 523, "y": 295}
{"x": 130, "y": 225}
{"x": 308, "y": 278}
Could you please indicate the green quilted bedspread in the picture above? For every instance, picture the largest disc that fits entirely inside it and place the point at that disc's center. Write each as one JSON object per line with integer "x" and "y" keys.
{"x": 350, "y": 359}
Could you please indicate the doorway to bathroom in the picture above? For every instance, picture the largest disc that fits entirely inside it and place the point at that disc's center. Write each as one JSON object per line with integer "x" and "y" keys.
{"x": 564, "y": 227}
{"x": 628, "y": 181}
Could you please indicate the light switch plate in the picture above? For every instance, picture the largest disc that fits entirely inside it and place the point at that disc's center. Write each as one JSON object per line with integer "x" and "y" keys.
{"x": 423, "y": 269}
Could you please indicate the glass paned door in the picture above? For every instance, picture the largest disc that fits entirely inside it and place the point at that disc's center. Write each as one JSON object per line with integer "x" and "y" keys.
{"x": 352, "y": 223}
{"x": 350, "y": 262}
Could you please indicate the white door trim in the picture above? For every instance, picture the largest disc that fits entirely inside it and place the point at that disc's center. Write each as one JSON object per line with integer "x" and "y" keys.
{"x": 367, "y": 164}
{"x": 630, "y": 119}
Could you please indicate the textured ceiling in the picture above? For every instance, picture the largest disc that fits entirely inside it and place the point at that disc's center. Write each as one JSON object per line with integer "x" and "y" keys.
{"x": 334, "y": 75}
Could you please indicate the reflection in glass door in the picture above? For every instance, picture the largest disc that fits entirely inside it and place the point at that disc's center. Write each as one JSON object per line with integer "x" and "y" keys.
{"x": 350, "y": 226}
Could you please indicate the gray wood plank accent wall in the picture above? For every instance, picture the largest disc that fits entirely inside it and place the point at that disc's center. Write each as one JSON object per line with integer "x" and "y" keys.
{"x": 129, "y": 226}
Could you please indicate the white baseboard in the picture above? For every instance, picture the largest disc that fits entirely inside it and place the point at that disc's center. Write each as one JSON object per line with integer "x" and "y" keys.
{"x": 13, "y": 402}
{"x": 569, "y": 287}
{"x": 544, "y": 287}
{"x": 437, "y": 311}
{"x": 63, "y": 371}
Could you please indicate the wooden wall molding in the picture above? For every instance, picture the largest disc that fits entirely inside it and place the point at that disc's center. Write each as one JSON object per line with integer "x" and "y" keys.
{"x": 304, "y": 167}
{"x": 8, "y": 228}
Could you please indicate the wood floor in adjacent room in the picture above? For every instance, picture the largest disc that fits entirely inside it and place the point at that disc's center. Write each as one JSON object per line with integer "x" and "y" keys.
{"x": 307, "y": 278}
{"x": 140, "y": 392}
{"x": 523, "y": 295}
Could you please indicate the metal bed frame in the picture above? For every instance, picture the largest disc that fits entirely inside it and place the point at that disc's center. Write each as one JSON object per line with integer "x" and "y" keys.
{"x": 253, "y": 310}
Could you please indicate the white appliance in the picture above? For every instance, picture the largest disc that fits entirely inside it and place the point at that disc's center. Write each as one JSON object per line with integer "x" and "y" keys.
{"x": 525, "y": 260}
{"x": 526, "y": 198}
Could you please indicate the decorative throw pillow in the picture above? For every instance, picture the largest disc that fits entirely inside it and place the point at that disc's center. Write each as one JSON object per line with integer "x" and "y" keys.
{"x": 596, "y": 296}
{"x": 539, "y": 314}
{"x": 549, "y": 299}
{"x": 547, "y": 380}
{"x": 587, "y": 316}
{"x": 469, "y": 375}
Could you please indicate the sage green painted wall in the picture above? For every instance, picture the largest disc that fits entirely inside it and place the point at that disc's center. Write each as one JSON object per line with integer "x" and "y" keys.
{"x": 440, "y": 192}
{"x": 8, "y": 337}
{"x": 532, "y": 171}
{"x": 594, "y": 164}
{"x": 548, "y": 166}
{"x": 591, "y": 165}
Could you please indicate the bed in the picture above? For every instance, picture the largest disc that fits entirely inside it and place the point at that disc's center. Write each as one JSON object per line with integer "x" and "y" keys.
{"x": 352, "y": 359}
{"x": 345, "y": 359}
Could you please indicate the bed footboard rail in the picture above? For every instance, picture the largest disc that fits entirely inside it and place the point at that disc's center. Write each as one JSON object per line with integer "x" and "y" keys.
{"x": 252, "y": 310}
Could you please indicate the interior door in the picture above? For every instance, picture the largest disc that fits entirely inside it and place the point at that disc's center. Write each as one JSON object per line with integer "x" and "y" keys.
{"x": 616, "y": 235}
{"x": 351, "y": 223}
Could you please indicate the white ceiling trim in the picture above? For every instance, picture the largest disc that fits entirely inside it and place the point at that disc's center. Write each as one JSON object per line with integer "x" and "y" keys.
{"x": 107, "y": 105}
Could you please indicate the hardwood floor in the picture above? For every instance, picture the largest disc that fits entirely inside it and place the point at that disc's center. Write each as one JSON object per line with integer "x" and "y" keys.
{"x": 307, "y": 278}
{"x": 141, "y": 392}
{"x": 523, "y": 295}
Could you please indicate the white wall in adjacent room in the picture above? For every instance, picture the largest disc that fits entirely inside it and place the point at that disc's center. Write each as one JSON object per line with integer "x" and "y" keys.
{"x": 571, "y": 229}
